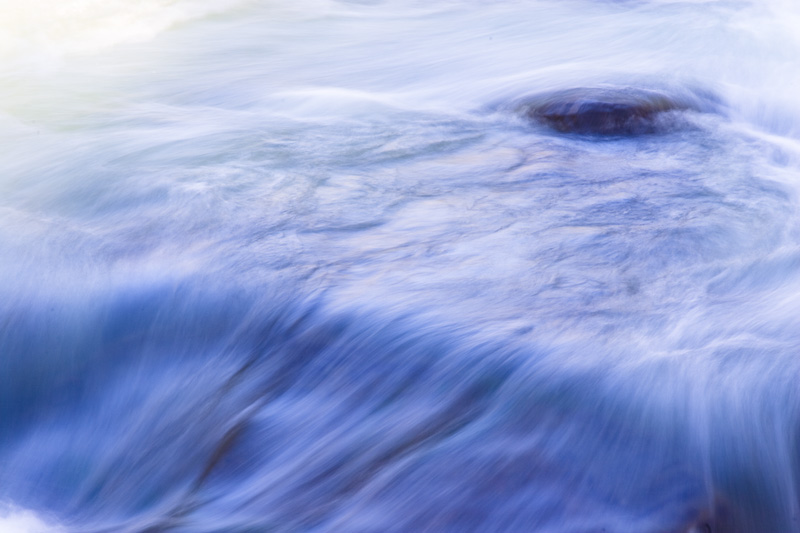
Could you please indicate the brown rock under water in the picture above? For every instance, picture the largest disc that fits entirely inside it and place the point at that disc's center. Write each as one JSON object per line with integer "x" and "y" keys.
{"x": 604, "y": 111}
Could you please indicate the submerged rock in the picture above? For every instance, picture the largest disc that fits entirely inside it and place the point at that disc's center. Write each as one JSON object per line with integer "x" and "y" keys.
{"x": 606, "y": 111}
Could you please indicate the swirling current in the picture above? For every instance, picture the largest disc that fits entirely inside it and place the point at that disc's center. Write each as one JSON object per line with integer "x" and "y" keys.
{"x": 388, "y": 265}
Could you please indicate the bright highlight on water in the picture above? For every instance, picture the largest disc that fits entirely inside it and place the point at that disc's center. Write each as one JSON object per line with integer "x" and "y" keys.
{"x": 356, "y": 265}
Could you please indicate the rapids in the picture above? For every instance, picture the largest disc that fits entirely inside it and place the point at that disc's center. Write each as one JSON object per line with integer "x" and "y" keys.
{"x": 307, "y": 266}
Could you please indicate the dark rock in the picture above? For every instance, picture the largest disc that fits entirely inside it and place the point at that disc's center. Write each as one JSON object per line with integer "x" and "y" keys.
{"x": 605, "y": 111}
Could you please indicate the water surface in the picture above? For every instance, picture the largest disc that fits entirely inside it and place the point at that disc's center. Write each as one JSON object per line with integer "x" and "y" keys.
{"x": 303, "y": 266}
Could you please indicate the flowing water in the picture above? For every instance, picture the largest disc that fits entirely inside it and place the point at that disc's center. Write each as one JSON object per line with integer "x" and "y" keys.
{"x": 302, "y": 265}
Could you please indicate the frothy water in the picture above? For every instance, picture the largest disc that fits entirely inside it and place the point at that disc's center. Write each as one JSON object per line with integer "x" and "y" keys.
{"x": 307, "y": 266}
{"x": 54, "y": 28}
{"x": 15, "y": 520}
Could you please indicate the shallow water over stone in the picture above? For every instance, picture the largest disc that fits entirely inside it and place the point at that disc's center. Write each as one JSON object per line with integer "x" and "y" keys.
{"x": 611, "y": 111}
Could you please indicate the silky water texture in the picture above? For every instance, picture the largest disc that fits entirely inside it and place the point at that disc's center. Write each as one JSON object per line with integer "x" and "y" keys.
{"x": 304, "y": 266}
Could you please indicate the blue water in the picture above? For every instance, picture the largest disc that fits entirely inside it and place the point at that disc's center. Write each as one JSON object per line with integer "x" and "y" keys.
{"x": 304, "y": 266}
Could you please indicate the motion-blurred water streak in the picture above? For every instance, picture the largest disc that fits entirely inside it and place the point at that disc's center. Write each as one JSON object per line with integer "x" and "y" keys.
{"x": 305, "y": 266}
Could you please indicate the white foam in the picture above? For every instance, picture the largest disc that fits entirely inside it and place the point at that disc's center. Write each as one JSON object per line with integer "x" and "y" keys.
{"x": 17, "y": 520}
{"x": 83, "y": 26}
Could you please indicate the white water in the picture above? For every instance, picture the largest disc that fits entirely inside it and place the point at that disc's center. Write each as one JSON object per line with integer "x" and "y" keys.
{"x": 15, "y": 520}
{"x": 192, "y": 191}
